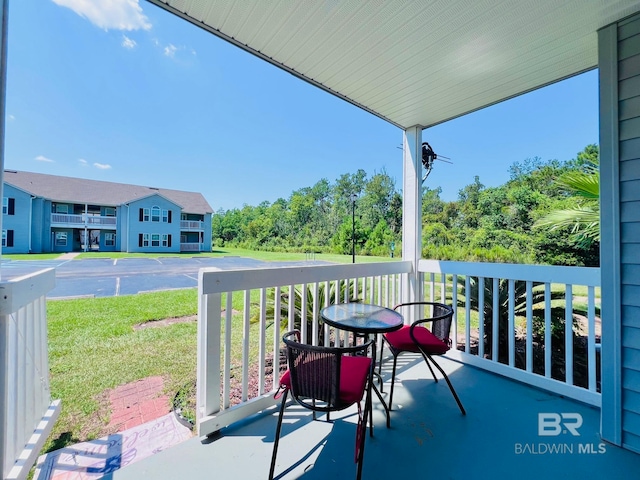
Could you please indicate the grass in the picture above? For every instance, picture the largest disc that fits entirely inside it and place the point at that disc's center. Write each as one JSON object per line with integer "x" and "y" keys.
{"x": 93, "y": 347}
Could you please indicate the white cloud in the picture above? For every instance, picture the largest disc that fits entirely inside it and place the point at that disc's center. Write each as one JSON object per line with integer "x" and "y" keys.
{"x": 109, "y": 14}
{"x": 102, "y": 166}
{"x": 42, "y": 158}
{"x": 128, "y": 42}
{"x": 11, "y": 118}
{"x": 170, "y": 50}
{"x": 83, "y": 162}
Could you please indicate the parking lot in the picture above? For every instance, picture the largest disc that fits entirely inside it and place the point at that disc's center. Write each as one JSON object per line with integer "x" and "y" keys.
{"x": 104, "y": 277}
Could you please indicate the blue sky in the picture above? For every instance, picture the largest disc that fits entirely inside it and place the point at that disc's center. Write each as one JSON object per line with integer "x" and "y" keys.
{"x": 122, "y": 91}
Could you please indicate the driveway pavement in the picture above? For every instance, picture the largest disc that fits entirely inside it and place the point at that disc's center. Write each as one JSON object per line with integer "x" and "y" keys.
{"x": 102, "y": 277}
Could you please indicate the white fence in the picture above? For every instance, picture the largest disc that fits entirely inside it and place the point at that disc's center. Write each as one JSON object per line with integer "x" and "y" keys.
{"x": 27, "y": 414}
{"x": 263, "y": 292}
{"x": 83, "y": 219}
{"x": 531, "y": 310}
{"x": 529, "y": 296}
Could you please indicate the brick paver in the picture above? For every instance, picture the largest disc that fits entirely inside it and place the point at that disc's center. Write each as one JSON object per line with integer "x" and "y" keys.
{"x": 139, "y": 402}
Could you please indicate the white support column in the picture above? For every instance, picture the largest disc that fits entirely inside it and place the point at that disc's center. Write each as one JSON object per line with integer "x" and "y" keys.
{"x": 611, "y": 366}
{"x": 412, "y": 209}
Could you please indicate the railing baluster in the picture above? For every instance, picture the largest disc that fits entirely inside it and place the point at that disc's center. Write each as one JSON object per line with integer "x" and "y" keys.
{"x": 379, "y": 300}
{"x": 327, "y": 289}
{"x": 262, "y": 349}
{"x": 568, "y": 334}
{"x": 246, "y": 334}
{"x": 529, "y": 341}
{"x": 591, "y": 338}
{"x": 495, "y": 321}
{"x": 276, "y": 337}
{"x": 467, "y": 312}
{"x": 303, "y": 312}
{"x": 481, "y": 317}
{"x": 316, "y": 313}
{"x": 291, "y": 310}
{"x": 511, "y": 327}
{"x": 454, "y": 322}
{"x": 548, "y": 347}
{"x": 432, "y": 294}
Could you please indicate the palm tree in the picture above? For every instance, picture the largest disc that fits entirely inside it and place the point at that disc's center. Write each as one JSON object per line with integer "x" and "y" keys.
{"x": 584, "y": 219}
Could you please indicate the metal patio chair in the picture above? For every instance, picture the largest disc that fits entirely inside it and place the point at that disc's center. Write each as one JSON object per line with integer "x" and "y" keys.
{"x": 417, "y": 338}
{"x": 327, "y": 379}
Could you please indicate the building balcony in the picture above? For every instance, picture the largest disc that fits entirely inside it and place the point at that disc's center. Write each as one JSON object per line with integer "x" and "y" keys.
{"x": 191, "y": 247}
{"x": 82, "y": 220}
{"x": 191, "y": 226}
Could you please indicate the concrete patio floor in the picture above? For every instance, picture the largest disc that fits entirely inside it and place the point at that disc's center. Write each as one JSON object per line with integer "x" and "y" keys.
{"x": 429, "y": 438}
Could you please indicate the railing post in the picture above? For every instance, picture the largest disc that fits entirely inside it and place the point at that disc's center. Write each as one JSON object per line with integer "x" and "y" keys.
{"x": 208, "y": 367}
{"x": 4, "y": 358}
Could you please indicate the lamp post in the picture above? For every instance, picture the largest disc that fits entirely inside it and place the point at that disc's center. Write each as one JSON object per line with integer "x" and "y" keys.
{"x": 353, "y": 198}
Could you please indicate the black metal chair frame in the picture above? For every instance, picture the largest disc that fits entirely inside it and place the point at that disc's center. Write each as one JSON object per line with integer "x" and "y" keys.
{"x": 440, "y": 327}
{"x": 318, "y": 389}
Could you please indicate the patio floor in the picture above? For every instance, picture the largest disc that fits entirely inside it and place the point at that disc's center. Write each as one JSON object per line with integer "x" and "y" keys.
{"x": 428, "y": 438}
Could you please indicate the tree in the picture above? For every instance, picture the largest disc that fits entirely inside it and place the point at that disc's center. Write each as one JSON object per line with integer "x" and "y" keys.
{"x": 584, "y": 218}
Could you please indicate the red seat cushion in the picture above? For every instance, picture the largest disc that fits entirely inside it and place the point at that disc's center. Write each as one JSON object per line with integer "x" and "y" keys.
{"x": 401, "y": 340}
{"x": 353, "y": 378}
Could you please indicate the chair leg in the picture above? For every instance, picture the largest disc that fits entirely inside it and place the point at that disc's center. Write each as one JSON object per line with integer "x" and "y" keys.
{"x": 276, "y": 440}
{"x": 393, "y": 381}
{"x": 426, "y": 360}
{"x": 453, "y": 391}
{"x": 368, "y": 414}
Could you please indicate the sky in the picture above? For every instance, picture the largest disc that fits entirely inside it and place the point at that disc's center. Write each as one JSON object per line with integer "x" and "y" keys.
{"x": 122, "y": 91}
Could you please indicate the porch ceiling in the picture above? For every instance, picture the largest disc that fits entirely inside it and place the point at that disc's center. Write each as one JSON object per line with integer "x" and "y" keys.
{"x": 415, "y": 62}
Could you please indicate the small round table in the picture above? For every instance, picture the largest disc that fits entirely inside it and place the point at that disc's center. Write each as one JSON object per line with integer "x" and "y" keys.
{"x": 364, "y": 320}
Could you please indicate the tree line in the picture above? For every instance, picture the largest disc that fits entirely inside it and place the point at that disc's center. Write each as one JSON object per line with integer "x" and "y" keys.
{"x": 508, "y": 223}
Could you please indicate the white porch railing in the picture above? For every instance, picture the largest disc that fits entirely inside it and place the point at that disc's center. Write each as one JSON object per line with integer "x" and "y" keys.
{"x": 524, "y": 291}
{"x": 82, "y": 219}
{"x": 191, "y": 247}
{"x": 27, "y": 413}
{"x": 191, "y": 225}
{"x": 258, "y": 329}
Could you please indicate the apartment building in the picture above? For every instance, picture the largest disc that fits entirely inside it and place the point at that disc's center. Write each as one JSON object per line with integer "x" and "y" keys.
{"x": 49, "y": 213}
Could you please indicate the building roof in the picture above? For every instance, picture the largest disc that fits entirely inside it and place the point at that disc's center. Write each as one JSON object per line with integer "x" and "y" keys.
{"x": 415, "y": 62}
{"x": 96, "y": 192}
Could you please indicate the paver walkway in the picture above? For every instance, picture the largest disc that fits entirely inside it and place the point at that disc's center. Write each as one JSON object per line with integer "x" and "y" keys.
{"x": 139, "y": 402}
{"x": 145, "y": 423}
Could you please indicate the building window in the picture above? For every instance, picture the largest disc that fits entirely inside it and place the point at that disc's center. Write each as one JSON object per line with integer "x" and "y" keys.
{"x": 109, "y": 212}
{"x": 183, "y": 216}
{"x": 145, "y": 240}
{"x": 155, "y": 240}
{"x": 145, "y": 217}
{"x": 165, "y": 240}
{"x": 165, "y": 216}
{"x": 62, "y": 209}
{"x": 155, "y": 214}
{"x": 109, "y": 239}
{"x": 61, "y": 239}
{"x": 7, "y": 238}
{"x": 8, "y": 206}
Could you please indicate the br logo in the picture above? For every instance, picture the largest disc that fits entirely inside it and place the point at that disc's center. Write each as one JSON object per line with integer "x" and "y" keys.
{"x": 553, "y": 424}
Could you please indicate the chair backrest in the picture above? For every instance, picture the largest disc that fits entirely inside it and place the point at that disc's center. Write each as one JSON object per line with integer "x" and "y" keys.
{"x": 315, "y": 372}
{"x": 441, "y": 318}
